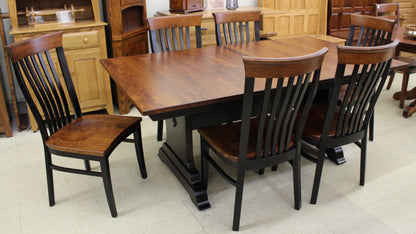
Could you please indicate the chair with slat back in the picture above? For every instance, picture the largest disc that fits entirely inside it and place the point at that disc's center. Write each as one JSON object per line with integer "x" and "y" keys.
{"x": 372, "y": 31}
{"x": 235, "y": 27}
{"x": 54, "y": 104}
{"x": 275, "y": 90}
{"x": 366, "y": 30}
{"x": 173, "y": 33}
{"x": 340, "y": 122}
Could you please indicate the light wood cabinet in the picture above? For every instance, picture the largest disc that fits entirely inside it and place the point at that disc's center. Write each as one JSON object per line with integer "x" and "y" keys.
{"x": 83, "y": 42}
{"x": 295, "y": 17}
{"x": 5, "y": 126}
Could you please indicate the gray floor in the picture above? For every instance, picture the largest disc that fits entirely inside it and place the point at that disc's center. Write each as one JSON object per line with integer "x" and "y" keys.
{"x": 159, "y": 204}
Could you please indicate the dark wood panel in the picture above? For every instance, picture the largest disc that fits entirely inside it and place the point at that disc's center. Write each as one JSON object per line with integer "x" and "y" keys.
{"x": 339, "y": 11}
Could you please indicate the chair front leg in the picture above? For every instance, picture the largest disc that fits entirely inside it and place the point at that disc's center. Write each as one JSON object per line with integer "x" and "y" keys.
{"x": 49, "y": 177}
{"x": 297, "y": 183}
{"x": 238, "y": 199}
{"x": 105, "y": 173}
{"x": 318, "y": 174}
{"x": 138, "y": 143}
{"x": 363, "y": 160}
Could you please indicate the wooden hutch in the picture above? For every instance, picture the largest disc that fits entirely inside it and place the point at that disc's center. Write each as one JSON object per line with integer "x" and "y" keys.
{"x": 83, "y": 42}
{"x": 126, "y": 35}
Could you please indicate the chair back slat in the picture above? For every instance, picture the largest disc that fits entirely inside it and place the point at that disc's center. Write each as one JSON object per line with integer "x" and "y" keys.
{"x": 372, "y": 31}
{"x": 169, "y": 33}
{"x": 364, "y": 70}
{"x": 36, "y": 72}
{"x": 233, "y": 27}
{"x": 279, "y": 86}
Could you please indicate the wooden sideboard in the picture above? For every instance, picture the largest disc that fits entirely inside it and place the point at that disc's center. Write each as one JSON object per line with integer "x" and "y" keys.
{"x": 83, "y": 42}
{"x": 208, "y": 23}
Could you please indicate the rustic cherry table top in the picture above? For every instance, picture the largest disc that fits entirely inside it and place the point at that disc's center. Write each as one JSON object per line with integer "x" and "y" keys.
{"x": 172, "y": 81}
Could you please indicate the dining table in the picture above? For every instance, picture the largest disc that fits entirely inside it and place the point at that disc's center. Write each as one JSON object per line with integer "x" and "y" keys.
{"x": 201, "y": 87}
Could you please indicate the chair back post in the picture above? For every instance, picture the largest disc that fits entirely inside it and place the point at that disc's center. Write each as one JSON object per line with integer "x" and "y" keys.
{"x": 373, "y": 31}
{"x": 387, "y": 10}
{"x": 284, "y": 86}
{"x": 235, "y": 26}
{"x": 36, "y": 73}
{"x": 364, "y": 70}
{"x": 172, "y": 33}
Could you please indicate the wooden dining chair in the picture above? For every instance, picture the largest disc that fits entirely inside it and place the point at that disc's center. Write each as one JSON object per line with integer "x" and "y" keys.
{"x": 235, "y": 27}
{"x": 173, "y": 33}
{"x": 368, "y": 30}
{"x": 54, "y": 104}
{"x": 387, "y": 10}
{"x": 339, "y": 122}
{"x": 271, "y": 136}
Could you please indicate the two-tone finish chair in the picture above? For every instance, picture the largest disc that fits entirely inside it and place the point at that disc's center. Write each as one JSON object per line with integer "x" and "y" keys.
{"x": 234, "y": 27}
{"x": 341, "y": 121}
{"x": 54, "y": 104}
{"x": 173, "y": 33}
{"x": 368, "y": 30}
{"x": 272, "y": 122}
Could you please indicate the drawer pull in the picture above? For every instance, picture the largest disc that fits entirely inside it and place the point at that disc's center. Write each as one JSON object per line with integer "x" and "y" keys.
{"x": 86, "y": 40}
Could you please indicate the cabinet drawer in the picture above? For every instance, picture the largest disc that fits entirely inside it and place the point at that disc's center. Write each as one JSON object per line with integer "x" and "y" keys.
{"x": 194, "y": 4}
{"x": 80, "y": 40}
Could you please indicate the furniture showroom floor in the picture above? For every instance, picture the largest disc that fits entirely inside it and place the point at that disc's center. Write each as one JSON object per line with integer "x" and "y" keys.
{"x": 159, "y": 204}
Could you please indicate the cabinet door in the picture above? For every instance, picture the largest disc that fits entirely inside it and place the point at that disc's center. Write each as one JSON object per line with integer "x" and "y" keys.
{"x": 87, "y": 76}
{"x": 136, "y": 45}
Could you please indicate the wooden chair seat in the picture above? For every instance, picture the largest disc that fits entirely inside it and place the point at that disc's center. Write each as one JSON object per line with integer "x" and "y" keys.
{"x": 225, "y": 139}
{"x": 96, "y": 135}
{"x": 313, "y": 128}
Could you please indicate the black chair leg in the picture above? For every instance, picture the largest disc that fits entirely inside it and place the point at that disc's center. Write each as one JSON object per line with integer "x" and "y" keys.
{"x": 49, "y": 178}
{"x": 363, "y": 161}
{"x": 274, "y": 168}
{"x": 105, "y": 173}
{"x": 371, "y": 128}
{"x": 318, "y": 174}
{"x": 238, "y": 199}
{"x": 297, "y": 183}
{"x": 87, "y": 165}
{"x": 159, "y": 130}
{"x": 139, "y": 152}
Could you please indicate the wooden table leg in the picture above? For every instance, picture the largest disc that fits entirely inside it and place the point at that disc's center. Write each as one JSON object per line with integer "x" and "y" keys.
{"x": 410, "y": 95}
{"x": 410, "y": 109}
